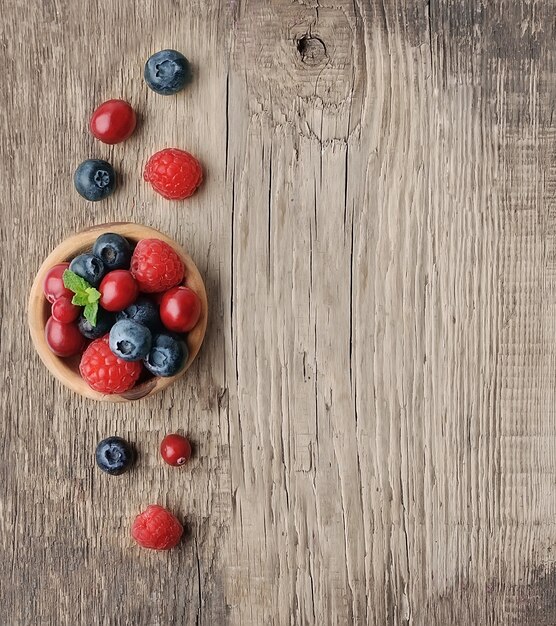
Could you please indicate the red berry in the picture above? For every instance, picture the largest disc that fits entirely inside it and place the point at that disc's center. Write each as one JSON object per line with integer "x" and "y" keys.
{"x": 174, "y": 173}
{"x": 156, "y": 266}
{"x": 156, "y": 528}
{"x": 113, "y": 121}
{"x": 175, "y": 450}
{"x": 63, "y": 339}
{"x": 180, "y": 309}
{"x": 64, "y": 311}
{"x": 104, "y": 371}
{"x": 118, "y": 290}
{"x": 53, "y": 285}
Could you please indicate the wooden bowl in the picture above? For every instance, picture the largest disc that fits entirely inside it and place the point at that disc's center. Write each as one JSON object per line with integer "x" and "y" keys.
{"x": 67, "y": 370}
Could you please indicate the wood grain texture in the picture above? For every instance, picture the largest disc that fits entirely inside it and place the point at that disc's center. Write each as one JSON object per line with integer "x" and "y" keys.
{"x": 372, "y": 409}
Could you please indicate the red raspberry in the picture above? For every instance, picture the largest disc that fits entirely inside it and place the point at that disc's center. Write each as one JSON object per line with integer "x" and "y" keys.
{"x": 156, "y": 528}
{"x": 156, "y": 266}
{"x": 174, "y": 173}
{"x": 104, "y": 371}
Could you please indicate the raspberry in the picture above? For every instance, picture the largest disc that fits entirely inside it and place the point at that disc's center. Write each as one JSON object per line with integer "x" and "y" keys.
{"x": 156, "y": 266}
{"x": 156, "y": 528}
{"x": 104, "y": 371}
{"x": 174, "y": 173}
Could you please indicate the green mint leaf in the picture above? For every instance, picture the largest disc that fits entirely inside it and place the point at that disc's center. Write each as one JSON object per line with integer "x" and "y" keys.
{"x": 90, "y": 313}
{"x": 92, "y": 295}
{"x": 80, "y": 299}
{"x": 74, "y": 283}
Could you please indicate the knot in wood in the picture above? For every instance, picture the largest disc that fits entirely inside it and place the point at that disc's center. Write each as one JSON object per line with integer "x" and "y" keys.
{"x": 312, "y": 50}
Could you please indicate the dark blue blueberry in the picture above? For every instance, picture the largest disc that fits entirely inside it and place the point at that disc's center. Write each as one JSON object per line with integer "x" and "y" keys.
{"x": 130, "y": 340}
{"x": 114, "y": 251}
{"x": 105, "y": 321}
{"x": 144, "y": 311}
{"x": 114, "y": 455}
{"x": 89, "y": 267}
{"x": 95, "y": 179}
{"x": 167, "y": 72}
{"x": 167, "y": 356}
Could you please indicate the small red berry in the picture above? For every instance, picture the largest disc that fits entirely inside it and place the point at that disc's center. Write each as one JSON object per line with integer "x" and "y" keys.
{"x": 113, "y": 121}
{"x": 53, "y": 285}
{"x": 174, "y": 173}
{"x": 63, "y": 339}
{"x": 118, "y": 290}
{"x": 156, "y": 266}
{"x": 156, "y": 528}
{"x": 64, "y": 311}
{"x": 104, "y": 371}
{"x": 175, "y": 450}
{"x": 180, "y": 309}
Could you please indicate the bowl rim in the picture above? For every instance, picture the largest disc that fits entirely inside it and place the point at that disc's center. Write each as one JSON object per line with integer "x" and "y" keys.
{"x": 38, "y": 310}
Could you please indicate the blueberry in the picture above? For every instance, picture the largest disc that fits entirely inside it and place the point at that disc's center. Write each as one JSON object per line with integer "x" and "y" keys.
{"x": 105, "y": 321}
{"x": 114, "y": 251}
{"x": 94, "y": 179}
{"x": 167, "y": 355}
{"x": 130, "y": 340}
{"x": 167, "y": 72}
{"x": 89, "y": 267}
{"x": 144, "y": 311}
{"x": 114, "y": 455}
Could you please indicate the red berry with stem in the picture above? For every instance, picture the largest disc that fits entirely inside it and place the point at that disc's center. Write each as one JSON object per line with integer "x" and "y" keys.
{"x": 63, "y": 339}
{"x": 53, "y": 285}
{"x": 64, "y": 311}
{"x": 118, "y": 290}
{"x": 175, "y": 450}
{"x": 156, "y": 528}
{"x": 180, "y": 309}
{"x": 113, "y": 121}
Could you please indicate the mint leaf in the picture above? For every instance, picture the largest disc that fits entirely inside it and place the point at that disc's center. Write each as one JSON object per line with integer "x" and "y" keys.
{"x": 80, "y": 299}
{"x": 90, "y": 313}
{"x": 74, "y": 283}
{"x": 85, "y": 295}
{"x": 92, "y": 295}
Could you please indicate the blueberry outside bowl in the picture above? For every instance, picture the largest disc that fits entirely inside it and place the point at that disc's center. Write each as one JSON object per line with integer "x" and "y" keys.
{"x": 67, "y": 370}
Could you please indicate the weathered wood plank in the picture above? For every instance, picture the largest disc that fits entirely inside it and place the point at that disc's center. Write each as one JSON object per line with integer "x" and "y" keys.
{"x": 372, "y": 409}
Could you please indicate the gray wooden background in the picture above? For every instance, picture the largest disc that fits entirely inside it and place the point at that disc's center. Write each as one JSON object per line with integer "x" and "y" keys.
{"x": 373, "y": 409}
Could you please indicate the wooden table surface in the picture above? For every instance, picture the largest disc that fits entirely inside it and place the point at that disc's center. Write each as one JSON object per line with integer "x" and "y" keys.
{"x": 373, "y": 408}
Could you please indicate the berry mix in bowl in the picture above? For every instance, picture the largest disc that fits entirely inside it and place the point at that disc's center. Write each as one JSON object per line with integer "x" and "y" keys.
{"x": 118, "y": 312}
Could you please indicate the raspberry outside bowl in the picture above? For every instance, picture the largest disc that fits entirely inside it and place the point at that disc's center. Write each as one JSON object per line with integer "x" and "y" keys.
{"x": 66, "y": 370}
